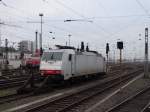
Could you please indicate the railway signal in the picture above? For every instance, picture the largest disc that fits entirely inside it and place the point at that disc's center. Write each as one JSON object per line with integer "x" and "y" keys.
{"x": 146, "y": 54}
{"x": 120, "y": 47}
{"x": 107, "y": 51}
{"x": 82, "y": 47}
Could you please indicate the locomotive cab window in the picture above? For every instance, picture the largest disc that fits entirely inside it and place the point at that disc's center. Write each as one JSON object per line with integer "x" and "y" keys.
{"x": 48, "y": 56}
{"x": 70, "y": 57}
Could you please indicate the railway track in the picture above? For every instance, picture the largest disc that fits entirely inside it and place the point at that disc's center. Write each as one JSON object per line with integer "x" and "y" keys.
{"x": 69, "y": 102}
{"x": 14, "y": 97}
{"x": 146, "y": 108}
{"x": 136, "y": 103}
{"x": 9, "y": 72}
{"x": 9, "y": 81}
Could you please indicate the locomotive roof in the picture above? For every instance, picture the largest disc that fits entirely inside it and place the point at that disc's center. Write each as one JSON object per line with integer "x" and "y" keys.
{"x": 73, "y": 51}
{"x": 89, "y": 53}
{"x": 65, "y": 47}
{"x": 60, "y": 50}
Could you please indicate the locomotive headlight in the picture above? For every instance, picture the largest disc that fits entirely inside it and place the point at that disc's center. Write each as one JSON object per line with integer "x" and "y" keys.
{"x": 58, "y": 71}
{"x": 42, "y": 72}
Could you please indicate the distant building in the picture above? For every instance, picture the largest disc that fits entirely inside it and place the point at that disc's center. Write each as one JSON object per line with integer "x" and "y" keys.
{"x": 26, "y": 46}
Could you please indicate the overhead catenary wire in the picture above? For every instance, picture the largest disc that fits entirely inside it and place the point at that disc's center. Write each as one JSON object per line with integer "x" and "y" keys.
{"x": 16, "y": 9}
{"x": 3, "y": 3}
{"x": 118, "y": 16}
{"x": 15, "y": 26}
{"x": 32, "y": 18}
{"x": 23, "y": 18}
{"x": 14, "y": 35}
{"x": 80, "y": 15}
{"x": 83, "y": 18}
{"x": 62, "y": 20}
{"x": 109, "y": 15}
{"x": 65, "y": 31}
{"x": 102, "y": 6}
{"x": 143, "y": 8}
{"x": 70, "y": 9}
{"x": 133, "y": 22}
{"x": 75, "y": 12}
{"x": 98, "y": 26}
{"x": 12, "y": 25}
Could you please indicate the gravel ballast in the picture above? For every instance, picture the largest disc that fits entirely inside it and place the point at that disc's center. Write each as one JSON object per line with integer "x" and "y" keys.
{"x": 119, "y": 95}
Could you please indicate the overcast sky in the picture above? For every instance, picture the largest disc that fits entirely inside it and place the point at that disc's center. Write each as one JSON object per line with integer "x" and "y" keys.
{"x": 112, "y": 20}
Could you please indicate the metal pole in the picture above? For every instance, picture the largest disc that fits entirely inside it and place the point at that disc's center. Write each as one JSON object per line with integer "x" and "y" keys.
{"x": 41, "y": 32}
{"x": 0, "y": 35}
{"x": 120, "y": 66}
{"x": 6, "y": 51}
{"x": 69, "y": 38}
{"x": 40, "y": 44}
{"x": 114, "y": 52}
{"x": 107, "y": 63}
{"x": 36, "y": 41}
{"x": 146, "y": 54}
{"x": 0, "y": 38}
{"x": 120, "y": 57}
{"x": 41, "y": 15}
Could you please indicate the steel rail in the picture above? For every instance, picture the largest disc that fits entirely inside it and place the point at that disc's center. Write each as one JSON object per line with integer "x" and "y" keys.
{"x": 116, "y": 107}
{"x": 67, "y": 102}
{"x": 146, "y": 108}
{"x": 15, "y": 96}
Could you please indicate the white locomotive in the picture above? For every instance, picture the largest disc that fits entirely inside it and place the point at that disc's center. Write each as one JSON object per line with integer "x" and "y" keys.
{"x": 66, "y": 63}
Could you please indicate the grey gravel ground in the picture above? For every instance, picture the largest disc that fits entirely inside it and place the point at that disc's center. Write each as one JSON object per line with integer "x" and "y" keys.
{"x": 30, "y": 99}
{"x": 50, "y": 93}
{"x": 137, "y": 104}
{"x": 92, "y": 101}
{"x": 34, "y": 98}
{"x": 120, "y": 96}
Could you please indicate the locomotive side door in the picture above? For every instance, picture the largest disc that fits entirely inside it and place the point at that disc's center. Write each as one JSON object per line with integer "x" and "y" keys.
{"x": 68, "y": 66}
{"x": 71, "y": 64}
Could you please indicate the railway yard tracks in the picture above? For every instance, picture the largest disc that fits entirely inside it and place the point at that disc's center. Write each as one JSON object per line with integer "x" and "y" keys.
{"x": 15, "y": 96}
{"x": 72, "y": 101}
{"x": 135, "y": 103}
{"x": 75, "y": 101}
{"x": 13, "y": 78}
{"x": 12, "y": 82}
